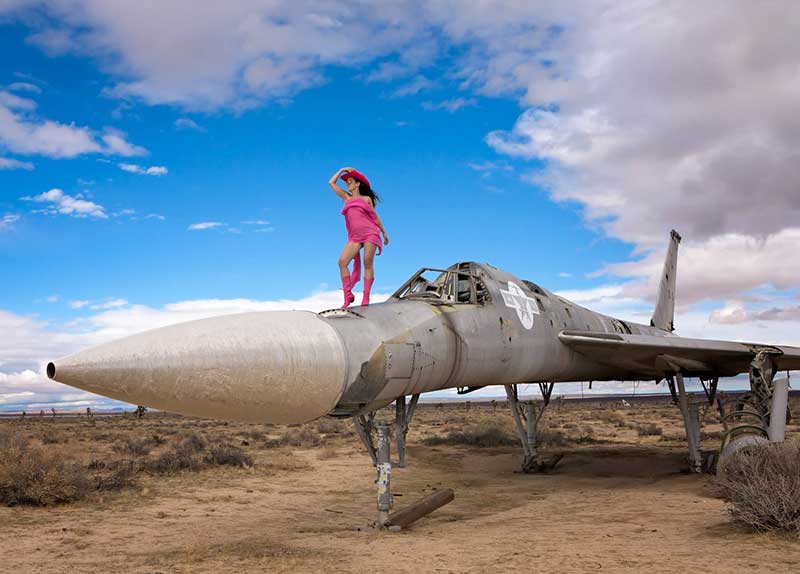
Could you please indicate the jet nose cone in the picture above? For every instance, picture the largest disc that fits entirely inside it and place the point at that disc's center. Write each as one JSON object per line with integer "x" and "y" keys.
{"x": 270, "y": 367}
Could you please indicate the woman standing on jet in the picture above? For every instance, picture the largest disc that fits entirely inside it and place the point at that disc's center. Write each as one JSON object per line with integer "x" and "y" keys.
{"x": 364, "y": 229}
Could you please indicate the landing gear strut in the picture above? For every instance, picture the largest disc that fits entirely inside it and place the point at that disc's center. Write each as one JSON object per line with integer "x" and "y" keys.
{"x": 526, "y": 418}
{"x": 759, "y": 416}
{"x": 371, "y": 432}
{"x": 691, "y": 420}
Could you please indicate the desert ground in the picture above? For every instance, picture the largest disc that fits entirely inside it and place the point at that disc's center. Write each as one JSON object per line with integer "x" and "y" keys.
{"x": 619, "y": 501}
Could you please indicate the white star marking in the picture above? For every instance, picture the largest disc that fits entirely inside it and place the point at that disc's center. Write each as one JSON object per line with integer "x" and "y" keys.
{"x": 526, "y": 307}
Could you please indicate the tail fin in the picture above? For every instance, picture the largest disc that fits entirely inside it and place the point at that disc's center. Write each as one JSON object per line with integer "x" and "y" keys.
{"x": 665, "y": 307}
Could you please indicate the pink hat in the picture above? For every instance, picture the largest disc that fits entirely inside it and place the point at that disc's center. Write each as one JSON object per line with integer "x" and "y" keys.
{"x": 356, "y": 175}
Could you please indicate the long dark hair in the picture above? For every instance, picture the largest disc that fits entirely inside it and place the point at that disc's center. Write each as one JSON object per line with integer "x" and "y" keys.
{"x": 364, "y": 189}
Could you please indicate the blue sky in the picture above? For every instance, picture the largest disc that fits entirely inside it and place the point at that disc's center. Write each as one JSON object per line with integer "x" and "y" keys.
{"x": 517, "y": 134}
{"x": 433, "y": 169}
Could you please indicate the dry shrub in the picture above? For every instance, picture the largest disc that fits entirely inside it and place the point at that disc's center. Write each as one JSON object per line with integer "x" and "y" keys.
{"x": 182, "y": 456}
{"x": 121, "y": 475}
{"x": 649, "y": 429}
{"x": 52, "y": 437}
{"x": 27, "y": 476}
{"x": 614, "y": 417}
{"x": 328, "y": 425}
{"x": 227, "y": 454}
{"x": 485, "y": 434}
{"x": 299, "y": 437}
{"x": 762, "y": 485}
{"x": 158, "y": 440}
{"x": 135, "y": 447}
{"x": 254, "y": 434}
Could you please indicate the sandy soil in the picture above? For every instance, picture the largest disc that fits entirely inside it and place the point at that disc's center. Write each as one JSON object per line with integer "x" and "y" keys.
{"x": 618, "y": 502}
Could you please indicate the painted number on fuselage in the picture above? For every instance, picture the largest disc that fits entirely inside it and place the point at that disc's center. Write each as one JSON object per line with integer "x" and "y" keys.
{"x": 526, "y": 307}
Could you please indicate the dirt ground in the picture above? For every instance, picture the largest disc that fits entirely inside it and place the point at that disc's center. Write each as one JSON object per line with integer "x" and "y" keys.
{"x": 618, "y": 502}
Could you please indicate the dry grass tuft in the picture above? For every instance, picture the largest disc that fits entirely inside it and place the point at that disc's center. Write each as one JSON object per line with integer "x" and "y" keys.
{"x": 227, "y": 454}
{"x": 135, "y": 446}
{"x": 303, "y": 437}
{"x": 482, "y": 434}
{"x": 184, "y": 455}
{"x": 328, "y": 425}
{"x": 649, "y": 429}
{"x": 762, "y": 485}
{"x": 27, "y": 476}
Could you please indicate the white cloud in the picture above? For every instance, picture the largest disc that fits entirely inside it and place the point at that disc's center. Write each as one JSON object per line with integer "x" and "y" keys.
{"x": 204, "y": 225}
{"x": 110, "y": 304}
{"x": 14, "y": 102}
{"x": 116, "y": 144}
{"x": 7, "y": 221}
{"x": 415, "y": 86}
{"x": 78, "y": 304}
{"x": 53, "y": 298}
{"x": 188, "y": 124}
{"x": 452, "y": 105}
{"x": 256, "y": 222}
{"x": 60, "y": 202}
{"x": 24, "y": 87}
{"x": 152, "y": 170}
{"x": 29, "y": 135}
{"x": 722, "y": 267}
{"x": 10, "y": 163}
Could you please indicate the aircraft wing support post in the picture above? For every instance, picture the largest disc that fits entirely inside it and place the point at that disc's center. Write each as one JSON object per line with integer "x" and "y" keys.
{"x": 526, "y": 418}
{"x": 691, "y": 422}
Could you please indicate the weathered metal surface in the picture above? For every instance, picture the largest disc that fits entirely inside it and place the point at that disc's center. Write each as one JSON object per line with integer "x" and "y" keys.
{"x": 384, "y": 468}
{"x": 665, "y": 302}
{"x": 778, "y": 409}
{"x": 271, "y": 367}
{"x": 474, "y": 325}
{"x": 691, "y": 422}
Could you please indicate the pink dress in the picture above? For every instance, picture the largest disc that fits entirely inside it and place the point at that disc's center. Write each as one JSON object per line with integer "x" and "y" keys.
{"x": 362, "y": 227}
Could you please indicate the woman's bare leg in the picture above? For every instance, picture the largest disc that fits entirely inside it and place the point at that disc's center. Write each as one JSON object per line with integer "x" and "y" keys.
{"x": 369, "y": 260}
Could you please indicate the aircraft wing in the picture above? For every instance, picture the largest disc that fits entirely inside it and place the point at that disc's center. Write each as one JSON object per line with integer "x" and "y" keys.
{"x": 660, "y": 355}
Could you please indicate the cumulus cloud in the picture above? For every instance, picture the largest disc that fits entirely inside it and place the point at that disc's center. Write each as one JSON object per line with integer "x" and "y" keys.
{"x": 10, "y": 163}
{"x": 669, "y": 114}
{"x": 7, "y": 221}
{"x": 451, "y": 105}
{"x": 24, "y": 87}
{"x": 721, "y": 268}
{"x": 205, "y": 225}
{"x": 29, "y": 135}
{"x": 188, "y": 124}
{"x": 12, "y": 101}
{"x": 110, "y": 304}
{"x": 59, "y": 202}
{"x": 138, "y": 169}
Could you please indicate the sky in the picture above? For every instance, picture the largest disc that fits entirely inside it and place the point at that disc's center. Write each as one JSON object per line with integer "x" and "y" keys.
{"x": 157, "y": 167}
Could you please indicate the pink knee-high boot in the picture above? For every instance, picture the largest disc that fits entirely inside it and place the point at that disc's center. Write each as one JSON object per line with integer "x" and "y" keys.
{"x": 367, "y": 288}
{"x": 348, "y": 292}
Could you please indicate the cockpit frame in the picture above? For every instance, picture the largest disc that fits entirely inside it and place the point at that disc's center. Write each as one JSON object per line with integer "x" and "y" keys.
{"x": 453, "y": 286}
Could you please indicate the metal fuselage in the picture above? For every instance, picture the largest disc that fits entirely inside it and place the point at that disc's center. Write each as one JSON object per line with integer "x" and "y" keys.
{"x": 410, "y": 345}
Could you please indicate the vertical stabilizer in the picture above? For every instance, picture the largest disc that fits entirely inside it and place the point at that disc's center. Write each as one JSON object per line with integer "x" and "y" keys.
{"x": 665, "y": 306}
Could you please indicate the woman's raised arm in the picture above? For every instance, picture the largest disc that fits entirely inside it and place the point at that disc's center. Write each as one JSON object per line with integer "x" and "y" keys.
{"x": 337, "y": 189}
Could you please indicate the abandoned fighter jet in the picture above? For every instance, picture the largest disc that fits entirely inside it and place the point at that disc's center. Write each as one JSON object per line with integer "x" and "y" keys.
{"x": 465, "y": 327}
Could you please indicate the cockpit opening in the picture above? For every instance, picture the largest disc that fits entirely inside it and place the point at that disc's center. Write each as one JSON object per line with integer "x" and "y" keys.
{"x": 459, "y": 284}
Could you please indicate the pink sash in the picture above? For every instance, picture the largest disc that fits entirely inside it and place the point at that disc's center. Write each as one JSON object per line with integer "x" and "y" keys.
{"x": 362, "y": 227}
